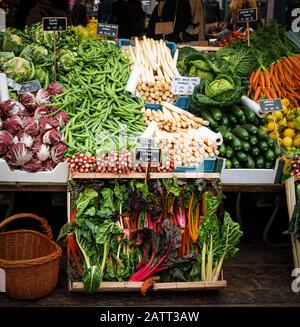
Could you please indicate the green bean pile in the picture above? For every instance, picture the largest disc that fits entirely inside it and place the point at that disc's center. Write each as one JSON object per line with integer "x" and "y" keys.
{"x": 94, "y": 98}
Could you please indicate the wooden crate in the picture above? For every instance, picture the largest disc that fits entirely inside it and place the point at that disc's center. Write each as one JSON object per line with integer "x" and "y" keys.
{"x": 291, "y": 201}
{"x": 136, "y": 286}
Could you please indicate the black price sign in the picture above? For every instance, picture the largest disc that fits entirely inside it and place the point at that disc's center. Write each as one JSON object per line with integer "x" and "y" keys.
{"x": 51, "y": 24}
{"x": 247, "y": 15}
{"x": 147, "y": 155}
{"x": 30, "y": 86}
{"x": 270, "y": 105}
{"x": 144, "y": 142}
{"x": 108, "y": 30}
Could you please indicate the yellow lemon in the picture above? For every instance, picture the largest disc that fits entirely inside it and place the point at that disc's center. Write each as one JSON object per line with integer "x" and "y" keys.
{"x": 290, "y": 124}
{"x": 285, "y": 102}
{"x": 287, "y": 142}
{"x": 272, "y": 135}
{"x": 269, "y": 117}
{"x": 271, "y": 126}
{"x": 278, "y": 115}
{"x": 289, "y": 132}
{"x": 297, "y": 141}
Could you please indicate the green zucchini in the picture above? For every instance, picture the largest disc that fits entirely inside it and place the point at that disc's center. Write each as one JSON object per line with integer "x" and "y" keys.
{"x": 246, "y": 146}
{"x": 251, "y": 129}
{"x": 277, "y": 151}
{"x": 253, "y": 140}
{"x": 228, "y": 136}
{"x": 263, "y": 146}
{"x": 241, "y": 156}
{"x": 271, "y": 143}
{"x": 269, "y": 155}
{"x": 229, "y": 152}
{"x": 228, "y": 164}
{"x": 242, "y": 119}
{"x": 263, "y": 135}
{"x": 232, "y": 119}
{"x": 225, "y": 120}
{"x": 237, "y": 112}
{"x": 250, "y": 115}
{"x": 236, "y": 143}
{"x": 250, "y": 162}
{"x": 235, "y": 162}
{"x": 212, "y": 124}
{"x": 255, "y": 151}
{"x": 222, "y": 150}
{"x": 241, "y": 133}
{"x": 260, "y": 162}
{"x": 217, "y": 114}
{"x": 269, "y": 165}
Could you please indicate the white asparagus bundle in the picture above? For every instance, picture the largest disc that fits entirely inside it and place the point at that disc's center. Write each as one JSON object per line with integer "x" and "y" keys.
{"x": 158, "y": 69}
{"x": 185, "y": 148}
{"x": 173, "y": 121}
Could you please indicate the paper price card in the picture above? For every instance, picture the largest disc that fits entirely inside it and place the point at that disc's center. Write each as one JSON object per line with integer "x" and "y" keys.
{"x": 184, "y": 85}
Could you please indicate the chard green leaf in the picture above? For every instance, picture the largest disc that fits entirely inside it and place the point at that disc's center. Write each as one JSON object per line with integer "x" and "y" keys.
{"x": 86, "y": 198}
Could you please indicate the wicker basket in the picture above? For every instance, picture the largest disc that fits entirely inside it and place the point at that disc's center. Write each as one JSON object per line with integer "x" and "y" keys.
{"x": 31, "y": 260}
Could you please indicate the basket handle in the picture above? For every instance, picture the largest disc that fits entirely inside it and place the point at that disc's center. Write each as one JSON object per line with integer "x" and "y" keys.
{"x": 45, "y": 226}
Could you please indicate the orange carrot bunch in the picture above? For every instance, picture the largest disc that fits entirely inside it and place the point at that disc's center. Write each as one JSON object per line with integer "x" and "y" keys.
{"x": 282, "y": 80}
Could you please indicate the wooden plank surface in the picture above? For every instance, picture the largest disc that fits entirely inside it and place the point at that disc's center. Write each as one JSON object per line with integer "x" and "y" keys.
{"x": 143, "y": 175}
{"x": 291, "y": 201}
{"x": 135, "y": 286}
{"x": 253, "y": 188}
{"x": 199, "y": 48}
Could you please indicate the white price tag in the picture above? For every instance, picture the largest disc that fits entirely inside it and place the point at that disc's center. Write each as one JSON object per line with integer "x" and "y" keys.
{"x": 2, "y": 280}
{"x": 183, "y": 85}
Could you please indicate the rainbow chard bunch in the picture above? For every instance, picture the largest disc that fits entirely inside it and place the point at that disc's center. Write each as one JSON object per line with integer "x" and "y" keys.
{"x": 30, "y": 137}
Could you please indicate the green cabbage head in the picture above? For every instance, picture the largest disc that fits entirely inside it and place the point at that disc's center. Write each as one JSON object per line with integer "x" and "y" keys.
{"x": 220, "y": 88}
{"x": 13, "y": 43}
{"x": 19, "y": 69}
{"x": 35, "y": 53}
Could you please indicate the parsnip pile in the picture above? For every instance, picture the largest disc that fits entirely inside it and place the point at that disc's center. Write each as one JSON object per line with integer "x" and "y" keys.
{"x": 173, "y": 119}
{"x": 185, "y": 148}
{"x": 158, "y": 69}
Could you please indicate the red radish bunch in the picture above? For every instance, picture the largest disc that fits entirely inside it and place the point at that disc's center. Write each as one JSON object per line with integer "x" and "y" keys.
{"x": 295, "y": 165}
{"x": 114, "y": 162}
{"x": 81, "y": 163}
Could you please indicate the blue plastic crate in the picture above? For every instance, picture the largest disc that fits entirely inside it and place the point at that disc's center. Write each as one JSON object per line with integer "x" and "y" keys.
{"x": 205, "y": 166}
{"x": 181, "y": 102}
{"x": 171, "y": 45}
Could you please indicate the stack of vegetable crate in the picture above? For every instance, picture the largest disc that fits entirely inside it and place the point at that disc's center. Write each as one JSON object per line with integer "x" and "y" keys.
{"x": 132, "y": 284}
{"x": 292, "y": 197}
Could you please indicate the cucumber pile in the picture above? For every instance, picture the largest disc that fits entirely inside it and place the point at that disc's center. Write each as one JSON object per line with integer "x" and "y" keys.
{"x": 245, "y": 144}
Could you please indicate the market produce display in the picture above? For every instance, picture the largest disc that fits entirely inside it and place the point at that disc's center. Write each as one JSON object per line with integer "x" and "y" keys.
{"x": 163, "y": 231}
{"x": 157, "y": 69}
{"x": 30, "y": 139}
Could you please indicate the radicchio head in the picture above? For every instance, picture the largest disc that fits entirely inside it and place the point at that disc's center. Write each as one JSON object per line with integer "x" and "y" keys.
{"x": 6, "y": 140}
{"x": 53, "y": 136}
{"x": 18, "y": 154}
{"x": 58, "y": 151}
{"x": 13, "y": 124}
{"x": 33, "y": 166}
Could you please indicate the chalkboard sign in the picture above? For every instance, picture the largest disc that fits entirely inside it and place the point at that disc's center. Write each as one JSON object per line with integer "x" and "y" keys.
{"x": 51, "y": 24}
{"x": 30, "y": 86}
{"x": 108, "y": 30}
{"x": 247, "y": 15}
{"x": 184, "y": 85}
{"x": 144, "y": 142}
{"x": 147, "y": 155}
{"x": 270, "y": 105}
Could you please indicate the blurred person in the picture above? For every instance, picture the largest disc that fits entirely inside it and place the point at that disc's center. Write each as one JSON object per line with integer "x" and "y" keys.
{"x": 176, "y": 11}
{"x": 47, "y": 8}
{"x": 105, "y": 11}
{"x": 130, "y": 17}
{"x": 79, "y": 14}
{"x": 212, "y": 12}
{"x": 21, "y": 10}
{"x": 195, "y": 31}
